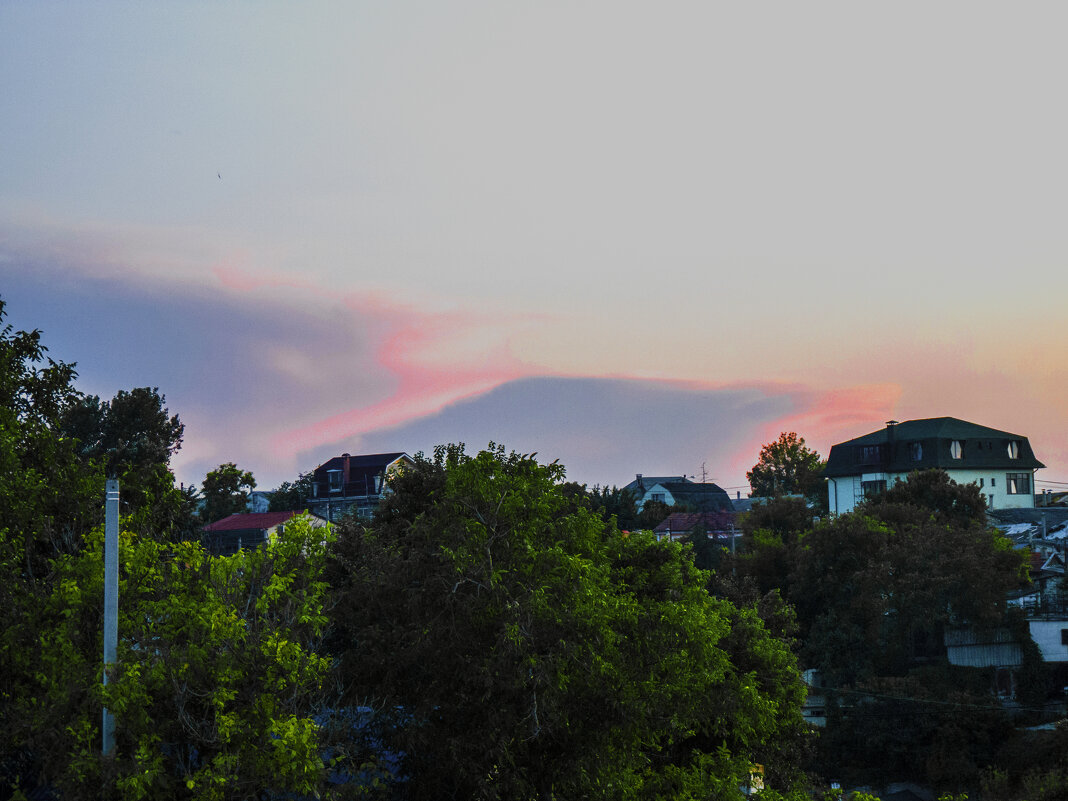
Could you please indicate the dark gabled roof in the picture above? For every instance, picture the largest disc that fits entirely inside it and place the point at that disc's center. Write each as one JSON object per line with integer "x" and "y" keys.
{"x": 367, "y": 462}
{"x": 255, "y": 521}
{"x": 649, "y": 482}
{"x": 892, "y": 449}
{"x": 706, "y": 497}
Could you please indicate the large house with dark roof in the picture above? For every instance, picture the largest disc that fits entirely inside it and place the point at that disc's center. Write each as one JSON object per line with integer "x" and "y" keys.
{"x": 352, "y": 485}
{"x": 1001, "y": 464}
{"x": 679, "y": 490}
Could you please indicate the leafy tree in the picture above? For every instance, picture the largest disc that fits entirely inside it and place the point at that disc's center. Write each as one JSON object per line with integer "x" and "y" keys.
{"x": 134, "y": 437}
{"x": 620, "y": 503}
{"x": 48, "y": 497}
{"x": 875, "y": 591}
{"x": 48, "y": 500}
{"x": 134, "y": 429}
{"x": 773, "y": 531}
{"x": 226, "y": 491}
{"x": 786, "y": 467}
{"x": 217, "y": 672}
{"x": 292, "y": 495}
{"x": 535, "y": 652}
{"x": 930, "y": 492}
{"x": 654, "y": 513}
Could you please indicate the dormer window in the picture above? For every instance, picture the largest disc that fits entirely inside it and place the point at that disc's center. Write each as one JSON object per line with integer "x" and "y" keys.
{"x": 916, "y": 451}
{"x": 956, "y": 449}
{"x": 333, "y": 478}
{"x": 1014, "y": 449}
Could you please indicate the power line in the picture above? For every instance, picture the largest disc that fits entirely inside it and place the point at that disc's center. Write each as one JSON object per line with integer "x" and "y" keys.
{"x": 931, "y": 701}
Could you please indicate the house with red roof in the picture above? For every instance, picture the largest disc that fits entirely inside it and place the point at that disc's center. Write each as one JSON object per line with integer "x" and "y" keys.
{"x": 247, "y": 530}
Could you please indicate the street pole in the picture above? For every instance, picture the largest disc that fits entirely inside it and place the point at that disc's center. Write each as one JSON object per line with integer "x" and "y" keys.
{"x": 111, "y": 599}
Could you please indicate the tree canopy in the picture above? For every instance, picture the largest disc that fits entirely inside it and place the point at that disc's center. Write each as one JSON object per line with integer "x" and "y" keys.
{"x": 217, "y": 676}
{"x": 535, "y": 652}
{"x": 786, "y": 467}
{"x": 226, "y": 491}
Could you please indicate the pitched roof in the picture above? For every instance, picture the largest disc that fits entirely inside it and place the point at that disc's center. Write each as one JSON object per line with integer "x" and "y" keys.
{"x": 368, "y": 461}
{"x": 707, "y": 497}
{"x": 926, "y": 443}
{"x": 250, "y": 521}
{"x": 651, "y": 481}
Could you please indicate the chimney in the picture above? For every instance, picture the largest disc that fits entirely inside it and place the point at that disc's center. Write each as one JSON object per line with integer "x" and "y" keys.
{"x": 641, "y": 484}
{"x": 739, "y": 494}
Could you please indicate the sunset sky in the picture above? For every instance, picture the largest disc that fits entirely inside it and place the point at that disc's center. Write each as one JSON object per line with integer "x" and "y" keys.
{"x": 634, "y": 237}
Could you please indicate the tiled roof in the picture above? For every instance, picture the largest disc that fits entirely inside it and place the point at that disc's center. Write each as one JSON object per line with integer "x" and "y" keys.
{"x": 247, "y": 522}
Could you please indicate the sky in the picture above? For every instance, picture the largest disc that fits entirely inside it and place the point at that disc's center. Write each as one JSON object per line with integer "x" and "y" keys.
{"x": 631, "y": 237}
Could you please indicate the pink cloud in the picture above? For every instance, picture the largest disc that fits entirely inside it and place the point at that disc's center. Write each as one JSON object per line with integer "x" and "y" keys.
{"x": 438, "y": 359}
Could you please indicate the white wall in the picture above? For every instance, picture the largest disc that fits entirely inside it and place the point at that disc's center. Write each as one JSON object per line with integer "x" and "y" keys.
{"x": 843, "y": 492}
{"x": 1047, "y": 636}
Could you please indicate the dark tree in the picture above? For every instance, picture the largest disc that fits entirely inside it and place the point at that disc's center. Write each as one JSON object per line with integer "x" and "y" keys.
{"x": 620, "y": 503}
{"x": 292, "y": 496}
{"x": 225, "y": 491}
{"x": 133, "y": 436}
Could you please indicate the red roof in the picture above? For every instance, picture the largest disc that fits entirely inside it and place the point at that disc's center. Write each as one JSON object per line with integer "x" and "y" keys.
{"x": 246, "y": 521}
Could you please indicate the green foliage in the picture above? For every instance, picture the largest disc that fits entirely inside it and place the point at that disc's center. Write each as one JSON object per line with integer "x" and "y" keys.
{"x": 226, "y": 491}
{"x": 787, "y": 467}
{"x": 615, "y": 502}
{"x": 874, "y": 593}
{"x": 929, "y": 493}
{"x": 538, "y": 653}
{"x": 938, "y": 725}
{"x": 133, "y": 437}
{"x": 292, "y": 496}
{"x": 48, "y": 500}
{"x": 773, "y": 534}
{"x": 216, "y": 678}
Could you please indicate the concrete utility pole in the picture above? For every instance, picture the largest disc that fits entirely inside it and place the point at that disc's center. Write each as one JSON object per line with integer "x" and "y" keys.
{"x": 111, "y": 599}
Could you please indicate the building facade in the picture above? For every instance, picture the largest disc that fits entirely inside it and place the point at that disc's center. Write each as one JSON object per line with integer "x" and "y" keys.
{"x": 1001, "y": 464}
{"x": 353, "y": 485}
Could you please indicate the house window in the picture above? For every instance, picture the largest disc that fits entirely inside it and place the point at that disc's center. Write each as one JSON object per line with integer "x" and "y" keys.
{"x": 980, "y": 482}
{"x": 956, "y": 449}
{"x": 993, "y": 482}
{"x": 991, "y": 501}
{"x": 1014, "y": 449}
{"x": 1064, "y": 636}
{"x": 1018, "y": 483}
{"x": 916, "y": 451}
{"x": 872, "y": 488}
{"x": 657, "y": 496}
{"x": 870, "y": 454}
{"x": 333, "y": 478}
